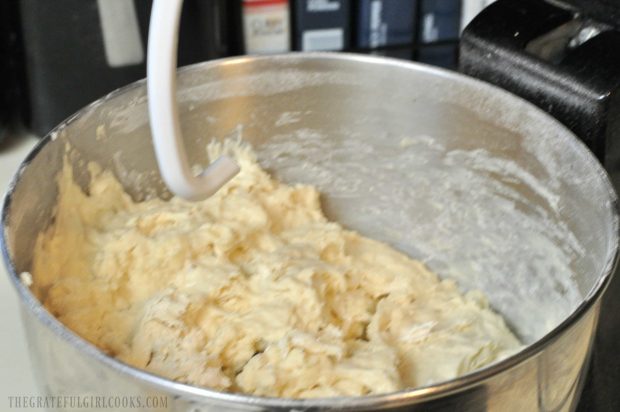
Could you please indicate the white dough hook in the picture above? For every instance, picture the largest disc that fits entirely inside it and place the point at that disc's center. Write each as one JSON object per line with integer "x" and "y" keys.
{"x": 163, "y": 113}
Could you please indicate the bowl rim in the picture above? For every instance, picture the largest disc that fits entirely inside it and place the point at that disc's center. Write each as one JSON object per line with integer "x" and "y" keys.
{"x": 399, "y": 398}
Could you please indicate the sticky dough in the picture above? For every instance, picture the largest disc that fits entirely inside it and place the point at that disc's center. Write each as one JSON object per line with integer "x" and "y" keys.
{"x": 255, "y": 291}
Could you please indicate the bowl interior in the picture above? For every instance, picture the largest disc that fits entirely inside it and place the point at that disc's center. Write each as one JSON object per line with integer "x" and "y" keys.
{"x": 478, "y": 184}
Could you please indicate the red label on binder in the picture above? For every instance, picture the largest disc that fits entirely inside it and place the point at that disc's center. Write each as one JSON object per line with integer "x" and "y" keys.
{"x": 266, "y": 26}
{"x": 262, "y": 3}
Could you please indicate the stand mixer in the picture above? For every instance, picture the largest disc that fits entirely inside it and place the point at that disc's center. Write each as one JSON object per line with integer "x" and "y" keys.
{"x": 482, "y": 186}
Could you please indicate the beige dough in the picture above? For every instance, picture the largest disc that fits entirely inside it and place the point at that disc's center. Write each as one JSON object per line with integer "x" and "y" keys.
{"x": 255, "y": 291}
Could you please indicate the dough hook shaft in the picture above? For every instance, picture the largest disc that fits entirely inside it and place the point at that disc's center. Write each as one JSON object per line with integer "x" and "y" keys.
{"x": 163, "y": 112}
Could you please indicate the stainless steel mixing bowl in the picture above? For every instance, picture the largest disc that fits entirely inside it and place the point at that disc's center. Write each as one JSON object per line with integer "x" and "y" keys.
{"x": 482, "y": 186}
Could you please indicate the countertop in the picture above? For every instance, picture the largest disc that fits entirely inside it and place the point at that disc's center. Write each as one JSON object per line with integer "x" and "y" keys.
{"x": 16, "y": 376}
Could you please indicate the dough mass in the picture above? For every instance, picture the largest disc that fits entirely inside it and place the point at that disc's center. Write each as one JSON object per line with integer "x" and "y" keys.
{"x": 255, "y": 291}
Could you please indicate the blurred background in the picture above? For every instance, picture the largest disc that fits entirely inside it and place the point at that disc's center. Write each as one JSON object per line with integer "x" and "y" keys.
{"x": 562, "y": 55}
{"x": 60, "y": 55}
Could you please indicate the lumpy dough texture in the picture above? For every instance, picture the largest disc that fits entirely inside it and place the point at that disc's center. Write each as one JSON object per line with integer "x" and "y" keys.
{"x": 253, "y": 290}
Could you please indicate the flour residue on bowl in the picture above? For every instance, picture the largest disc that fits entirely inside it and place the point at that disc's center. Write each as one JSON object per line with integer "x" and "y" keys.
{"x": 478, "y": 218}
